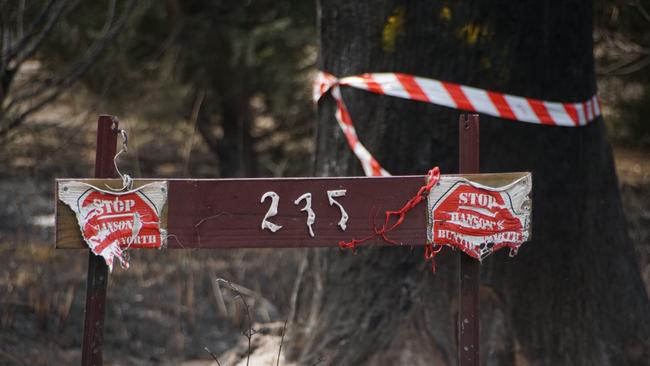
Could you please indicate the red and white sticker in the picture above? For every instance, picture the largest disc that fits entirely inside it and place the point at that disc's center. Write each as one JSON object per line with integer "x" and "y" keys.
{"x": 478, "y": 219}
{"x": 112, "y": 222}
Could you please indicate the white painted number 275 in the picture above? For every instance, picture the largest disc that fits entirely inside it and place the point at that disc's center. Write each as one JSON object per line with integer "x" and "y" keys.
{"x": 311, "y": 215}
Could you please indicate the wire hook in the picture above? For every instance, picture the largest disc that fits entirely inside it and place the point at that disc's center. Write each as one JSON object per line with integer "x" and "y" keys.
{"x": 127, "y": 181}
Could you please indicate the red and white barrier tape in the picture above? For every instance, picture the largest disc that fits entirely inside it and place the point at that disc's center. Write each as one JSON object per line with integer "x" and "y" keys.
{"x": 449, "y": 95}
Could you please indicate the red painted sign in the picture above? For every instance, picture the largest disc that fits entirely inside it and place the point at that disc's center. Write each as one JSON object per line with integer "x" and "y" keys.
{"x": 477, "y": 219}
{"x": 112, "y": 222}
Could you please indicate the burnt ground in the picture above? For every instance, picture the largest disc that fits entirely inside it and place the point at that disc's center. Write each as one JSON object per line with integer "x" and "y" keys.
{"x": 162, "y": 311}
{"x": 167, "y": 307}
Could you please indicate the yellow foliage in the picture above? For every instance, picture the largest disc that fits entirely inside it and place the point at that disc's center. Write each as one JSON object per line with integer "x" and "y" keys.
{"x": 472, "y": 32}
{"x": 445, "y": 13}
{"x": 393, "y": 28}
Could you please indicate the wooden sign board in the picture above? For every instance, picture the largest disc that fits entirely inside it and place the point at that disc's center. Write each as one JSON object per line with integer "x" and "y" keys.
{"x": 282, "y": 212}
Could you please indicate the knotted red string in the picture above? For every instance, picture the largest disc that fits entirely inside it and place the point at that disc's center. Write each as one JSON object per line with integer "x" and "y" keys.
{"x": 430, "y": 252}
{"x": 433, "y": 176}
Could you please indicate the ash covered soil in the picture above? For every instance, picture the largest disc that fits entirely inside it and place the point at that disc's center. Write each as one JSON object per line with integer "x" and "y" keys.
{"x": 165, "y": 309}
{"x": 168, "y": 306}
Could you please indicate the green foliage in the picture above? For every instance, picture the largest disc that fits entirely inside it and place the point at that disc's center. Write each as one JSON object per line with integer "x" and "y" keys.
{"x": 248, "y": 58}
{"x": 250, "y": 51}
{"x": 247, "y": 48}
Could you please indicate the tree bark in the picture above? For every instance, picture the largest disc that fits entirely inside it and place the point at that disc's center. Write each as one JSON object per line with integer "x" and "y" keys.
{"x": 573, "y": 295}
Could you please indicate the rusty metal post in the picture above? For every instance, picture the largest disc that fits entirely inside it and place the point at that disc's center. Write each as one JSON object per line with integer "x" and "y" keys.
{"x": 468, "y": 312}
{"x": 93, "y": 338}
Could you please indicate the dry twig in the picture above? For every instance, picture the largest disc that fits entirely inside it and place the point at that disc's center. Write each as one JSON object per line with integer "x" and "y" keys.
{"x": 249, "y": 332}
{"x": 212, "y": 354}
{"x": 284, "y": 329}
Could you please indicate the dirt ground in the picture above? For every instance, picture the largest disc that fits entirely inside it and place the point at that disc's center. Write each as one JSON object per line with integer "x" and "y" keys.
{"x": 168, "y": 306}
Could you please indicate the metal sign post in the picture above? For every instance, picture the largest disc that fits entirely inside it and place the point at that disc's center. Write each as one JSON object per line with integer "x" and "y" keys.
{"x": 469, "y": 268}
{"x": 93, "y": 339}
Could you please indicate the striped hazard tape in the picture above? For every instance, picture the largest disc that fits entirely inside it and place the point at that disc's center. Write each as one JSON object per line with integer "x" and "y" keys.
{"x": 448, "y": 95}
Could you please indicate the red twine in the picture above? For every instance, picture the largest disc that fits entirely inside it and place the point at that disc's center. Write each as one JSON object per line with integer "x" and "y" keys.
{"x": 433, "y": 176}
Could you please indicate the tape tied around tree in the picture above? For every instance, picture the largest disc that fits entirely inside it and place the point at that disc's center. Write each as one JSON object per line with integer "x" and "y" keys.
{"x": 450, "y": 95}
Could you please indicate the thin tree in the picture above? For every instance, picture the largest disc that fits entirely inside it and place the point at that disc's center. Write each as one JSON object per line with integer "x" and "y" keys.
{"x": 573, "y": 295}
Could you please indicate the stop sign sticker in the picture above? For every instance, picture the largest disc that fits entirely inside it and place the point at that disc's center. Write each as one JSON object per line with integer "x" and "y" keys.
{"x": 478, "y": 219}
{"x": 112, "y": 222}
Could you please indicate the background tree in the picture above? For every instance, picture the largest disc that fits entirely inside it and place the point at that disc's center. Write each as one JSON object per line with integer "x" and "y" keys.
{"x": 622, "y": 48}
{"x": 573, "y": 295}
{"x": 245, "y": 61}
{"x": 239, "y": 71}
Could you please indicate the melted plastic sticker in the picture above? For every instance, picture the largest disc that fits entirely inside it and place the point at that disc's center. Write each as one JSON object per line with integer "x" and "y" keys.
{"x": 112, "y": 222}
{"x": 478, "y": 219}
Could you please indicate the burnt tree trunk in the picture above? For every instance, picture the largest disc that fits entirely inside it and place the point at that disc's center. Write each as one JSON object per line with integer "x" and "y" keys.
{"x": 573, "y": 296}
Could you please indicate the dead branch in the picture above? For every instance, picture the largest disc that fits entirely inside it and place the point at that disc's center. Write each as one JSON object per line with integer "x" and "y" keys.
{"x": 43, "y": 92}
{"x": 212, "y": 354}
{"x": 644, "y": 13}
{"x": 12, "y": 51}
{"x": 284, "y": 329}
{"x": 249, "y": 332}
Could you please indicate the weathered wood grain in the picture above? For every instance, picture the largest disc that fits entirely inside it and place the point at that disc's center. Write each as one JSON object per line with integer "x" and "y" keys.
{"x": 227, "y": 213}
